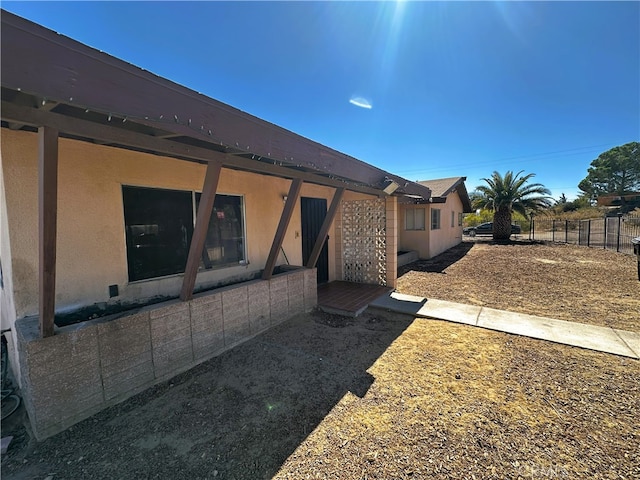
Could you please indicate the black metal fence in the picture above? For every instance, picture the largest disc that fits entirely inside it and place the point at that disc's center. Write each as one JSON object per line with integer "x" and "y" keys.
{"x": 611, "y": 233}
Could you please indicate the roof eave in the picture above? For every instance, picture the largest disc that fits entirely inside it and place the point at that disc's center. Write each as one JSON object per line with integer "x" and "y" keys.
{"x": 56, "y": 68}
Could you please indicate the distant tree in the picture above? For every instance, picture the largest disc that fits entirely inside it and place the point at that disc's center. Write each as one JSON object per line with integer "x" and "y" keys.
{"x": 563, "y": 205}
{"x": 562, "y": 200}
{"x": 504, "y": 195}
{"x": 616, "y": 171}
{"x": 477, "y": 217}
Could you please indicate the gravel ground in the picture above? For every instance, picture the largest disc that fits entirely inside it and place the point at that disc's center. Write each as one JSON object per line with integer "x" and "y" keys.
{"x": 567, "y": 282}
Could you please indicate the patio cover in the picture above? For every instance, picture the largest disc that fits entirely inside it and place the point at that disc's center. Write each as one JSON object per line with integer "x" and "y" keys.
{"x": 49, "y": 79}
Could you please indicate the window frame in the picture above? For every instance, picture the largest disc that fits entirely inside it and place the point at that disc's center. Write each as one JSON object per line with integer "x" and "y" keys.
{"x": 243, "y": 261}
{"x": 413, "y": 216}
{"x": 193, "y": 208}
{"x": 436, "y": 216}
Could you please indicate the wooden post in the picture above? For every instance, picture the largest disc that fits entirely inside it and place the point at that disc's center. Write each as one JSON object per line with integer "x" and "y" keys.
{"x": 292, "y": 198}
{"x": 324, "y": 230}
{"x": 47, "y": 221}
{"x": 200, "y": 231}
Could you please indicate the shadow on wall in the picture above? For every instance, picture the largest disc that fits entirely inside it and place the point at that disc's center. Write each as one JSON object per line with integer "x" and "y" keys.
{"x": 439, "y": 263}
{"x": 241, "y": 414}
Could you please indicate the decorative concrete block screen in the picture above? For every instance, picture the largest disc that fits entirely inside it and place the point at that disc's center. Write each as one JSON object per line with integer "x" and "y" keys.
{"x": 364, "y": 252}
{"x": 87, "y": 367}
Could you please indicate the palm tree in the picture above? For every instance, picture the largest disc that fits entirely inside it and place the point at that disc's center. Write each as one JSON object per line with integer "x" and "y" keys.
{"x": 507, "y": 194}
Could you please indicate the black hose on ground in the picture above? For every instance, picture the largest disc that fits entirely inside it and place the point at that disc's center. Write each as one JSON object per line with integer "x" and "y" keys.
{"x": 10, "y": 401}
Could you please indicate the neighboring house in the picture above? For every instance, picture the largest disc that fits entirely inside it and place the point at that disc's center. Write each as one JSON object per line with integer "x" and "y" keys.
{"x": 622, "y": 203}
{"x": 434, "y": 226}
{"x": 158, "y": 227}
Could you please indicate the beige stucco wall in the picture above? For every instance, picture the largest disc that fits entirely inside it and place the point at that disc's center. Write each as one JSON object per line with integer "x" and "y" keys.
{"x": 7, "y": 310}
{"x": 429, "y": 243}
{"x": 7, "y": 307}
{"x": 91, "y": 251}
{"x": 417, "y": 240}
{"x": 447, "y": 236}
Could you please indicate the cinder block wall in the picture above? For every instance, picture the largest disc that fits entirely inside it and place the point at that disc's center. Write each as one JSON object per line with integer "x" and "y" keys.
{"x": 87, "y": 367}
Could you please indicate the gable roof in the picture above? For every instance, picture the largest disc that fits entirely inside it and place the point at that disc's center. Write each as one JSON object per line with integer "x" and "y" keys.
{"x": 50, "y": 79}
{"x": 442, "y": 187}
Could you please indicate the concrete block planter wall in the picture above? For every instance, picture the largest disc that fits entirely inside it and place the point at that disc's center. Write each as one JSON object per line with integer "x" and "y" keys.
{"x": 405, "y": 258}
{"x": 90, "y": 366}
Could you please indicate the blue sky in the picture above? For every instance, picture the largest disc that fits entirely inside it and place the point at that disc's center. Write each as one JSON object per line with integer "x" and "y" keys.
{"x": 455, "y": 88}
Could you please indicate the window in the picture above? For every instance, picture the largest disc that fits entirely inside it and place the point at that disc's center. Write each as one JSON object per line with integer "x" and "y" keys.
{"x": 159, "y": 226}
{"x": 414, "y": 219}
{"x": 435, "y": 219}
{"x": 224, "y": 244}
{"x": 453, "y": 219}
{"x": 460, "y": 218}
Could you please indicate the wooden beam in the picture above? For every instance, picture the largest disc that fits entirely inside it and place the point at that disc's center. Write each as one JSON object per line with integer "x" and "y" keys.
{"x": 169, "y": 135}
{"x": 287, "y": 213}
{"x": 47, "y": 216}
{"x": 200, "y": 231}
{"x": 324, "y": 230}
{"x": 43, "y": 105}
{"x": 137, "y": 141}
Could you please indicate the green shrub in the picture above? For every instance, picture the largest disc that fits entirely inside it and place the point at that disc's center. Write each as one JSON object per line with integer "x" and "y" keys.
{"x": 474, "y": 219}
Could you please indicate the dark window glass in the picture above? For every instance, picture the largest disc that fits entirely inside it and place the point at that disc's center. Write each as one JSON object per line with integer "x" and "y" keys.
{"x": 159, "y": 226}
{"x": 225, "y": 243}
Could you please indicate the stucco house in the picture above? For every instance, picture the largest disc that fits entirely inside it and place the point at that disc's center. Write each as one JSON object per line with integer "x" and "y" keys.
{"x": 429, "y": 227}
{"x": 145, "y": 227}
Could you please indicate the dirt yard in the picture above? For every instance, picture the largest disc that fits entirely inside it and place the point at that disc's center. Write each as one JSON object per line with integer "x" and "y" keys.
{"x": 567, "y": 282}
{"x": 381, "y": 396}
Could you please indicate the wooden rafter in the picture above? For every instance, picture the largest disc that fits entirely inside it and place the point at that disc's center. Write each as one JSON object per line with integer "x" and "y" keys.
{"x": 47, "y": 220}
{"x": 324, "y": 230}
{"x": 200, "y": 231}
{"x": 287, "y": 213}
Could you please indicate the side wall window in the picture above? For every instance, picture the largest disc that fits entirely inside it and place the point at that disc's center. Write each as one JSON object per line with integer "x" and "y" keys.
{"x": 435, "y": 219}
{"x": 460, "y": 218}
{"x": 159, "y": 225}
{"x": 414, "y": 219}
{"x": 453, "y": 219}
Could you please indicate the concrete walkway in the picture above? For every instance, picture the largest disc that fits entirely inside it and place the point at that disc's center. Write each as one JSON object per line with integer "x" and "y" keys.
{"x": 601, "y": 339}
